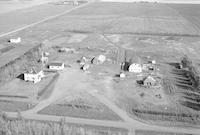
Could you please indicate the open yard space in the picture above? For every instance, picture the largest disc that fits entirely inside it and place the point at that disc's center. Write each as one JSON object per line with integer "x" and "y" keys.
{"x": 15, "y": 106}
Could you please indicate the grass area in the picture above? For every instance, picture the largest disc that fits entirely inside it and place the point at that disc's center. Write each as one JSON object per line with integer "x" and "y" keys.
{"x": 13, "y": 96}
{"x": 83, "y": 106}
{"x": 14, "y": 106}
{"x": 143, "y": 132}
{"x": 168, "y": 116}
{"x": 22, "y": 127}
{"x": 20, "y": 89}
{"x": 46, "y": 90}
{"x": 6, "y": 49}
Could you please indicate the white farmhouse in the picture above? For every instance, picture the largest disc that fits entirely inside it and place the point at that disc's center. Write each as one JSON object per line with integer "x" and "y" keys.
{"x": 56, "y": 66}
{"x": 34, "y": 75}
{"x": 136, "y": 68}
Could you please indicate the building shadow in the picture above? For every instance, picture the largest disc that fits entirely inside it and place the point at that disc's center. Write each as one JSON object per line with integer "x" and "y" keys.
{"x": 21, "y": 76}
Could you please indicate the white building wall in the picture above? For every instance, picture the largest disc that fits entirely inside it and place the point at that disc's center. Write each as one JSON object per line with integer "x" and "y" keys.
{"x": 33, "y": 77}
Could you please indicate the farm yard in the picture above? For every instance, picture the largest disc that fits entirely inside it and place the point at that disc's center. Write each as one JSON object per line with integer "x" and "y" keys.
{"x": 99, "y": 83}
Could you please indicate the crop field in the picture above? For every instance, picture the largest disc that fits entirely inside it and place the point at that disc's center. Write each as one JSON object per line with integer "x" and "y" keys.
{"x": 126, "y": 25}
{"x": 126, "y": 9}
{"x": 137, "y": 18}
{"x": 189, "y": 12}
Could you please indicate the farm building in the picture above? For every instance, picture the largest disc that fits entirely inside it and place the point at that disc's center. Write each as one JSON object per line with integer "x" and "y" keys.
{"x": 136, "y": 68}
{"x": 98, "y": 60}
{"x": 56, "y": 66}
{"x": 149, "y": 81}
{"x": 34, "y": 75}
{"x": 125, "y": 66}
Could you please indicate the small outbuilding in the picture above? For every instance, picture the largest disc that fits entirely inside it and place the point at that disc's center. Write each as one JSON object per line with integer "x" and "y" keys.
{"x": 15, "y": 40}
{"x": 83, "y": 61}
{"x": 56, "y": 66}
{"x": 34, "y": 75}
{"x": 98, "y": 60}
{"x": 122, "y": 75}
{"x": 45, "y": 54}
{"x": 149, "y": 81}
{"x": 64, "y": 49}
{"x": 85, "y": 67}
